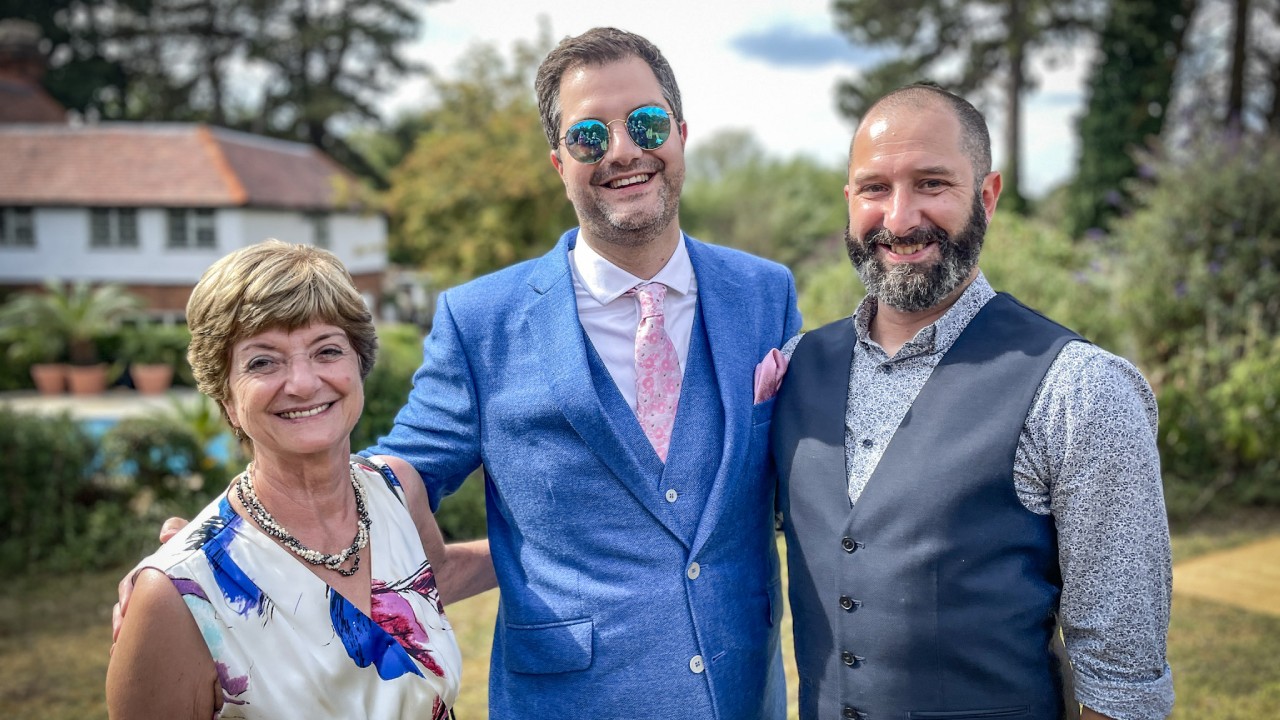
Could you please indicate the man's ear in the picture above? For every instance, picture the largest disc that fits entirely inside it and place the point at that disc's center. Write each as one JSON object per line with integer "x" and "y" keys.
{"x": 991, "y": 185}
{"x": 555, "y": 163}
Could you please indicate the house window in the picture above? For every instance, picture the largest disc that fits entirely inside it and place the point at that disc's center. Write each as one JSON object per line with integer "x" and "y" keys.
{"x": 16, "y": 227}
{"x": 192, "y": 228}
{"x": 319, "y": 229}
{"x": 113, "y": 228}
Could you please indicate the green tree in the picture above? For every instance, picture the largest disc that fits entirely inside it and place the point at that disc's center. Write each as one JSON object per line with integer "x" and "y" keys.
{"x": 296, "y": 69}
{"x": 781, "y": 209}
{"x": 478, "y": 192}
{"x": 964, "y": 46}
{"x": 81, "y": 75}
{"x": 1130, "y": 88}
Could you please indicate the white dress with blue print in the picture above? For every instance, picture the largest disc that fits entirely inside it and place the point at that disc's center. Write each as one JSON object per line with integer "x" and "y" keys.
{"x": 285, "y": 644}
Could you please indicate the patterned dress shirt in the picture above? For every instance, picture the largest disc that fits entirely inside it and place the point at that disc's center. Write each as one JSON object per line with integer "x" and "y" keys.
{"x": 1087, "y": 455}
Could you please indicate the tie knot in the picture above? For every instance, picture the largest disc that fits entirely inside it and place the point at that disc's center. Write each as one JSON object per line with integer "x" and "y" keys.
{"x": 650, "y": 296}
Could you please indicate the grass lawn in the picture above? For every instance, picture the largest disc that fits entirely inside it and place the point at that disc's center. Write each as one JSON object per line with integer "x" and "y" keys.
{"x": 55, "y": 633}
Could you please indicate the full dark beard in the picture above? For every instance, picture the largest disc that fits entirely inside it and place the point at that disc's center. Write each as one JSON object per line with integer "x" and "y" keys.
{"x": 910, "y": 287}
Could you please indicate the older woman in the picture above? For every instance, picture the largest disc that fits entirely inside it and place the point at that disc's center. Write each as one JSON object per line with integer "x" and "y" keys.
{"x": 309, "y": 588}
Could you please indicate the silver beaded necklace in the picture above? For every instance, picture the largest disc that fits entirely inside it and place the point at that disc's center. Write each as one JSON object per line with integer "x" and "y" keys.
{"x": 264, "y": 519}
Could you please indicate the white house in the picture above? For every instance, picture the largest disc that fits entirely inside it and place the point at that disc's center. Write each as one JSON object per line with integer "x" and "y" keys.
{"x": 152, "y": 205}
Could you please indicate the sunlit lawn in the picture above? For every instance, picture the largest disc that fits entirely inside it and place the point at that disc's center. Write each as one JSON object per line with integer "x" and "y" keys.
{"x": 55, "y": 632}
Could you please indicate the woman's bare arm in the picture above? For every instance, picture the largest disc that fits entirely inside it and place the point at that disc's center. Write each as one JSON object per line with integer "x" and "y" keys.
{"x": 160, "y": 666}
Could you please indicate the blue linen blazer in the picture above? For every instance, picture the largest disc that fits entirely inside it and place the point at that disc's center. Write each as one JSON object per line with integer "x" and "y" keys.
{"x": 602, "y": 613}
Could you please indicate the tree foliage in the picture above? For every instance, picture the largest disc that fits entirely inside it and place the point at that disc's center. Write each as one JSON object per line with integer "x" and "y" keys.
{"x": 966, "y": 47}
{"x": 294, "y": 69}
{"x": 781, "y": 209}
{"x": 1229, "y": 70}
{"x": 478, "y": 192}
{"x": 1129, "y": 91}
{"x": 1199, "y": 288}
{"x": 81, "y": 74}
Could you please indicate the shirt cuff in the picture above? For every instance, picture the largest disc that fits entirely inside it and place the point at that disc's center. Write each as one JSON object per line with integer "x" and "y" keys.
{"x": 1122, "y": 700}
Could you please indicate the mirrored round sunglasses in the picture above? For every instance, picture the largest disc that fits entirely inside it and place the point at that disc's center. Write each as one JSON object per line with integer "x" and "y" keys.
{"x": 588, "y": 140}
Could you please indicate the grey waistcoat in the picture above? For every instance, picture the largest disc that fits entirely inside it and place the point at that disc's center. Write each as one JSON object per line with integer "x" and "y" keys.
{"x": 935, "y": 595}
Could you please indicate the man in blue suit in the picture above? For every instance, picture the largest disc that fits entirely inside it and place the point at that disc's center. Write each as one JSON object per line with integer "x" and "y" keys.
{"x": 636, "y": 581}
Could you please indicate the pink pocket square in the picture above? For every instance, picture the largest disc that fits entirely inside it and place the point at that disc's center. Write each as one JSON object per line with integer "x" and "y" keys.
{"x": 769, "y": 375}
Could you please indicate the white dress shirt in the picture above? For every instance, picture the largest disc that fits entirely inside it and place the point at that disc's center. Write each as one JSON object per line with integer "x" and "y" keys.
{"x": 610, "y": 318}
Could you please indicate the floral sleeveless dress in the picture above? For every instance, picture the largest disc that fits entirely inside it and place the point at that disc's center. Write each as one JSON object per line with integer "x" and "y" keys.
{"x": 286, "y": 644}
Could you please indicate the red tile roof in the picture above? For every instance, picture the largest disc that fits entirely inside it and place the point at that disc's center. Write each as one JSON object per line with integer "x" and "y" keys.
{"x": 163, "y": 165}
{"x": 26, "y": 102}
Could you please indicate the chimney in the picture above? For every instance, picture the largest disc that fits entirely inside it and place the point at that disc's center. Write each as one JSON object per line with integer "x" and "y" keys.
{"x": 22, "y": 67}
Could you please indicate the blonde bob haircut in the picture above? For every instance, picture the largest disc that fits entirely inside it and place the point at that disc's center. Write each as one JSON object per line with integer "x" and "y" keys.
{"x": 271, "y": 285}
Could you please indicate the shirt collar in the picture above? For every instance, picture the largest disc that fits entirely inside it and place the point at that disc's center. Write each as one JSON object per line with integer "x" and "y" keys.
{"x": 939, "y": 335}
{"x": 606, "y": 282}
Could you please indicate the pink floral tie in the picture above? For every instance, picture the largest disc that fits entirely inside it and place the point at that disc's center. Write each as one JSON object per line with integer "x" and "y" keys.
{"x": 658, "y": 373}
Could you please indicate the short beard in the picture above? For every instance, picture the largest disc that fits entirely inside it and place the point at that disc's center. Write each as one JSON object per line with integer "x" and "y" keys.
{"x": 605, "y": 225}
{"x": 909, "y": 287}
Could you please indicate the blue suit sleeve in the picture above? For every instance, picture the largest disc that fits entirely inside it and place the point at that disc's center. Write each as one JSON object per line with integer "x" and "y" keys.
{"x": 438, "y": 429}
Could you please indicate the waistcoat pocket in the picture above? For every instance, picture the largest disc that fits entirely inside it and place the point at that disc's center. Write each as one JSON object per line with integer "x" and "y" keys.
{"x": 1006, "y": 712}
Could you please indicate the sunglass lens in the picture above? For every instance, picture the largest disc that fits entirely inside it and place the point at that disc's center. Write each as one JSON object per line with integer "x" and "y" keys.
{"x": 649, "y": 126}
{"x": 587, "y": 141}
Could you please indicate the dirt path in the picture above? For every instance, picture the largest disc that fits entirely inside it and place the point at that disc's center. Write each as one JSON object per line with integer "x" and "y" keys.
{"x": 1247, "y": 577}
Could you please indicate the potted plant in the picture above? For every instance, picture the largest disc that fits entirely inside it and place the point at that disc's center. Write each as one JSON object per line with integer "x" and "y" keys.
{"x": 76, "y": 315}
{"x": 153, "y": 351}
{"x": 42, "y": 353}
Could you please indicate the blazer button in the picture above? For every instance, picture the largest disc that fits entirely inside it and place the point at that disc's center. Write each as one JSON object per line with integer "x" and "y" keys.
{"x": 695, "y": 664}
{"x": 848, "y": 604}
{"x": 851, "y": 713}
{"x": 848, "y": 544}
{"x": 694, "y": 571}
{"x": 672, "y": 495}
{"x": 850, "y": 659}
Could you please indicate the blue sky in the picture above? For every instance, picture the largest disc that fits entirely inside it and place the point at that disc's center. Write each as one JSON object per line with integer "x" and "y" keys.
{"x": 763, "y": 66}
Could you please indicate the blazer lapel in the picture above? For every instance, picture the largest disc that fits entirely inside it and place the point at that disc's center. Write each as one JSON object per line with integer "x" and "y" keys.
{"x": 556, "y": 334}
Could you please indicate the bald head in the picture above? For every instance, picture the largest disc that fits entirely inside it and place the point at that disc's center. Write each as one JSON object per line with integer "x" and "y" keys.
{"x": 975, "y": 141}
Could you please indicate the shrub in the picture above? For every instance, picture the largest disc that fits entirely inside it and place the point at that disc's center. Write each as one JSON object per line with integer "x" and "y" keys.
{"x": 387, "y": 387}
{"x": 56, "y": 515}
{"x": 156, "y": 455}
{"x": 1200, "y": 261}
{"x": 1199, "y": 268}
{"x": 45, "y": 480}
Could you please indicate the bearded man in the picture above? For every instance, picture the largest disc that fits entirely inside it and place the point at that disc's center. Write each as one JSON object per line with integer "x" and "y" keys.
{"x": 985, "y": 476}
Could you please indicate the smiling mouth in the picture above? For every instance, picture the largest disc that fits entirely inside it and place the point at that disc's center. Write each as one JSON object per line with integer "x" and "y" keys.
{"x": 296, "y": 414}
{"x": 628, "y": 181}
{"x": 905, "y": 249}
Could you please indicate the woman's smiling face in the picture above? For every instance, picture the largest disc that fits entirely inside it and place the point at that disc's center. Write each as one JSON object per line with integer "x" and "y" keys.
{"x": 296, "y": 392}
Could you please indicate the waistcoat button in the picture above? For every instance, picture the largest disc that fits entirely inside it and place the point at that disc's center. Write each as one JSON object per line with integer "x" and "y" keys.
{"x": 848, "y": 544}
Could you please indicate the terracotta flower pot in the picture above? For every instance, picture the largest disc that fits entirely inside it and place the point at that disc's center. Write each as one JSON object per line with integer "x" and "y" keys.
{"x": 50, "y": 378}
{"x": 88, "y": 379}
{"x": 151, "y": 379}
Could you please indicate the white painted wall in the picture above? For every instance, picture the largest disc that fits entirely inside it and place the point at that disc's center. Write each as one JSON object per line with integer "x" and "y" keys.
{"x": 62, "y": 246}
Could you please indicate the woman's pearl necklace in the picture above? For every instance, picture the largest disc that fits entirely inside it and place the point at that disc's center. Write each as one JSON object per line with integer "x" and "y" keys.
{"x": 269, "y": 525}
